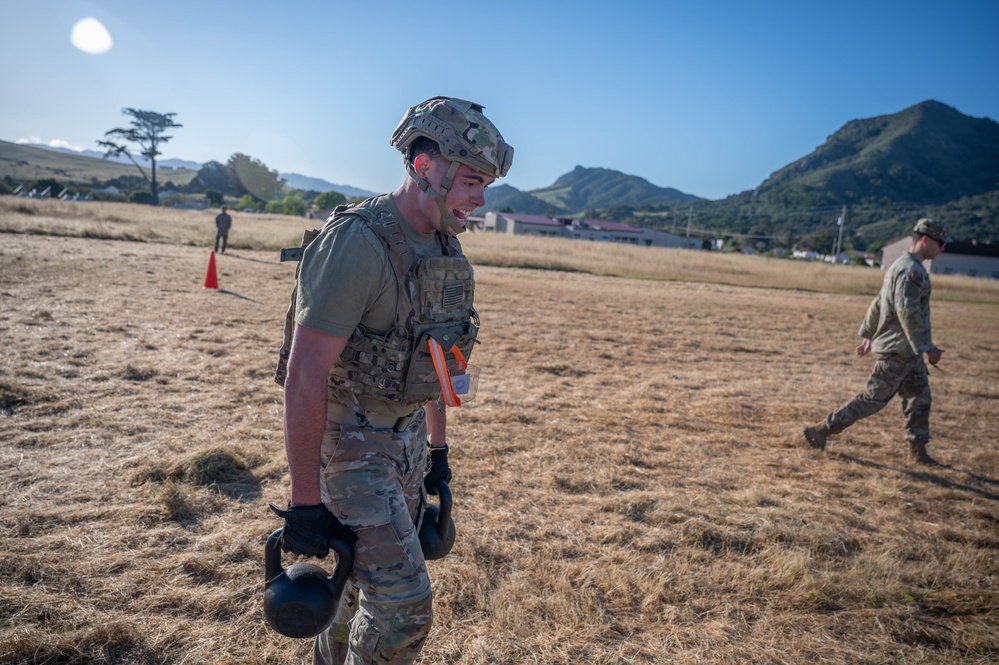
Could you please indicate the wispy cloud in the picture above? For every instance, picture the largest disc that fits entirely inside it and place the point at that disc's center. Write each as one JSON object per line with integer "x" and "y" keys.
{"x": 54, "y": 143}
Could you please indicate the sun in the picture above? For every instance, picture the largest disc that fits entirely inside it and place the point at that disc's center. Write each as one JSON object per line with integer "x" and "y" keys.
{"x": 90, "y": 36}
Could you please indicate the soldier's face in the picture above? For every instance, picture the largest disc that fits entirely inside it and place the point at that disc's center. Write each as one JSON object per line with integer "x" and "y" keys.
{"x": 467, "y": 192}
{"x": 934, "y": 247}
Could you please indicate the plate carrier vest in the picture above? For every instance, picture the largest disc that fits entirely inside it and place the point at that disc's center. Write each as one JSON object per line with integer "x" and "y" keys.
{"x": 434, "y": 301}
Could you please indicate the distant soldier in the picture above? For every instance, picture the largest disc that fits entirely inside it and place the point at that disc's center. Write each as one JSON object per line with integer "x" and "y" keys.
{"x": 897, "y": 329}
{"x": 223, "y": 222}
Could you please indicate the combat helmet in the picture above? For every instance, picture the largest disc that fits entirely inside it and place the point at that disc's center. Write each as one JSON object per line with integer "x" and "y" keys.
{"x": 464, "y": 135}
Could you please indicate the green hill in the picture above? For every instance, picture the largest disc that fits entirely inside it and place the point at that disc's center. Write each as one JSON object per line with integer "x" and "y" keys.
{"x": 927, "y": 154}
{"x": 928, "y": 160}
{"x": 595, "y": 188}
{"x": 507, "y": 198}
{"x": 21, "y": 163}
{"x": 585, "y": 189}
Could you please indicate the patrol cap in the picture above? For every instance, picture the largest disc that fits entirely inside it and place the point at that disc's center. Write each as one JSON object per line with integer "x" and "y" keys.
{"x": 935, "y": 230}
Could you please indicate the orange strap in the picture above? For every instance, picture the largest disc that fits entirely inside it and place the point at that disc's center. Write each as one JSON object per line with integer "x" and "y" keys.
{"x": 443, "y": 375}
{"x": 462, "y": 364}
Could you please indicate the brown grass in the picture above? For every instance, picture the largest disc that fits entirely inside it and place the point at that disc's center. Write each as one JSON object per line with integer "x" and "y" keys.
{"x": 629, "y": 482}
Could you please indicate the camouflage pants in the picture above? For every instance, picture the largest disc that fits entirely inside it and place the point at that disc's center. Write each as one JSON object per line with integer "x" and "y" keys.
{"x": 893, "y": 374}
{"x": 372, "y": 480}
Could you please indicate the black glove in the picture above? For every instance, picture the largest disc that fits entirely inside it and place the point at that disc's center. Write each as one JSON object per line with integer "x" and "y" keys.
{"x": 437, "y": 469}
{"x": 307, "y": 530}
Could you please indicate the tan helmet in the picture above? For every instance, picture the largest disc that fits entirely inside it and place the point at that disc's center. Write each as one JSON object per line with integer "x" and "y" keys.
{"x": 464, "y": 136}
{"x": 463, "y": 133}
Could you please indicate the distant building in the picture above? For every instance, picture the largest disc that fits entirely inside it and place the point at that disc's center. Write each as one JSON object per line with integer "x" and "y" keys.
{"x": 660, "y": 238}
{"x": 960, "y": 258}
{"x": 841, "y": 258}
{"x": 583, "y": 229}
{"x": 311, "y": 214}
{"x": 517, "y": 225}
{"x": 67, "y": 196}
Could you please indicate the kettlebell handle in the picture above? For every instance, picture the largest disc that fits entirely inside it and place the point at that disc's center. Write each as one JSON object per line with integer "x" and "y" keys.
{"x": 272, "y": 556}
{"x": 444, "y": 516}
{"x": 344, "y": 558}
{"x": 344, "y": 561}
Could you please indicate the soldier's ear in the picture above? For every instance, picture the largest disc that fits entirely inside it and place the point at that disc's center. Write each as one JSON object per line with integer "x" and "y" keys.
{"x": 422, "y": 164}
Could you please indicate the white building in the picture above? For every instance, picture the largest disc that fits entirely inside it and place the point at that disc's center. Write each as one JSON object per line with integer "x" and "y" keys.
{"x": 584, "y": 229}
{"x": 959, "y": 258}
{"x": 528, "y": 225}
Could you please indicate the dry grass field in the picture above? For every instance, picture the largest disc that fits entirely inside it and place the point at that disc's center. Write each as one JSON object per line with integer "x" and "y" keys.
{"x": 630, "y": 486}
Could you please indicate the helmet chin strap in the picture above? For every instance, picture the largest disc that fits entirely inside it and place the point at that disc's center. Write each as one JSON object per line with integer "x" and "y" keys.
{"x": 448, "y": 221}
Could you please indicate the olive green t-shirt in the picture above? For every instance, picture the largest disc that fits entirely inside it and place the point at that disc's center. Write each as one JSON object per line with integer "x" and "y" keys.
{"x": 346, "y": 280}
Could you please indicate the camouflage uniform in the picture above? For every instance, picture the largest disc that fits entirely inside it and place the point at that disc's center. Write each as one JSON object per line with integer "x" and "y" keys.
{"x": 399, "y": 297}
{"x": 372, "y": 480}
{"x": 898, "y": 325}
{"x": 223, "y": 222}
{"x": 373, "y": 454}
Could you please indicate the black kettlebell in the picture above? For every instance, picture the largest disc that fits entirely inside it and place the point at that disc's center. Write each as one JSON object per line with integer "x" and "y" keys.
{"x": 302, "y": 600}
{"x": 437, "y": 529}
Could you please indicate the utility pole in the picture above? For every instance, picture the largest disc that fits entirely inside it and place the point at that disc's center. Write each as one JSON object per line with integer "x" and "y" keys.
{"x": 690, "y": 218}
{"x": 838, "y": 244}
{"x": 842, "y": 223}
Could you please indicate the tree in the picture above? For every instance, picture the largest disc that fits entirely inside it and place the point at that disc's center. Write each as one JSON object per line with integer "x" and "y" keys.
{"x": 252, "y": 176}
{"x": 294, "y": 205}
{"x": 330, "y": 200}
{"x": 247, "y": 202}
{"x": 53, "y": 185}
{"x": 214, "y": 197}
{"x": 146, "y": 130}
{"x": 211, "y": 175}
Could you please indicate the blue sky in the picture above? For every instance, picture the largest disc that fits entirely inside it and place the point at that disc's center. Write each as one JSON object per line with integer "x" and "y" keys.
{"x": 705, "y": 96}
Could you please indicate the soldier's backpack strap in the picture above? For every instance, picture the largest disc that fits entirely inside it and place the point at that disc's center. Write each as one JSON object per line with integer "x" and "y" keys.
{"x": 400, "y": 253}
{"x": 291, "y": 254}
{"x": 296, "y": 254}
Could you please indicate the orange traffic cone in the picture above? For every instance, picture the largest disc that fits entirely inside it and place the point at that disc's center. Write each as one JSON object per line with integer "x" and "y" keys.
{"x": 211, "y": 278}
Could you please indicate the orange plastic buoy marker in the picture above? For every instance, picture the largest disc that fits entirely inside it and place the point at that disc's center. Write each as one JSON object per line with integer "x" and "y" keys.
{"x": 211, "y": 278}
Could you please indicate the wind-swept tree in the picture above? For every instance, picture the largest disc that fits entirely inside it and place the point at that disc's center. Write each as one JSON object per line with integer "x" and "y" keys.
{"x": 212, "y": 175}
{"x": 146, "y": 131}
{"x": 249, "y": 175}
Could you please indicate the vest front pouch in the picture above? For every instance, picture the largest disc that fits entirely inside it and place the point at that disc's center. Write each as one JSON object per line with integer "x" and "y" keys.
{"x": 444, "y": 292}
{"x": 445, "y": 288}
{"x": 372, "y": 365}
{"x": 435, "y": 296}
{"x": 422, "y": 377}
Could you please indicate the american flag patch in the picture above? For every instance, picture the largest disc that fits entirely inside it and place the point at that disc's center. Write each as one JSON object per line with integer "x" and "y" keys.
{"x": 453, "y": 295}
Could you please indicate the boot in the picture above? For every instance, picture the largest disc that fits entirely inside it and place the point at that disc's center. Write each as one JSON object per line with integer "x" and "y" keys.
{"x": 815, "y": 435}
{"x": 917, "y": 451}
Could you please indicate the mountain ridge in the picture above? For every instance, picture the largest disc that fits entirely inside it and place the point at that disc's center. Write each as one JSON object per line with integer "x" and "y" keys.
{"x": 295, "y": 180}
{"x": 585, "y": 189}
{"x": 928, "y": 159}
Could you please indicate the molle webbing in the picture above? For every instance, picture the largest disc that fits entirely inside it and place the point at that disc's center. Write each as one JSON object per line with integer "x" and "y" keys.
{"x": 296, "y": 254}
{"x": 435, "y": 296}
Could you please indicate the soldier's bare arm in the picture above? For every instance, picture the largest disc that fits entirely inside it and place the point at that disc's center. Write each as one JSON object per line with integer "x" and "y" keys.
{"x": 312, "y": 356}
